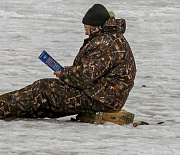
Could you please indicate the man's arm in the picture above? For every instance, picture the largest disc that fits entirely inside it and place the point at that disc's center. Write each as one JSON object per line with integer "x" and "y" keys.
{"x": 93, "y": 67}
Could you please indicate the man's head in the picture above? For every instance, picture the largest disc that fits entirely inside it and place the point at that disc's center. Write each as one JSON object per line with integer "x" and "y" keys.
{"x": 95, "y": 18}
{"x": 89, "y": 30}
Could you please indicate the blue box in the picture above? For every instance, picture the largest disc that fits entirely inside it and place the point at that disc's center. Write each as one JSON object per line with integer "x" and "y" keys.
{"x": 50, "y": 62}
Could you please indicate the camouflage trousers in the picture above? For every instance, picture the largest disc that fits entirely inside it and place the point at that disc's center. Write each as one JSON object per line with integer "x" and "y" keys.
{"x": 47, "y": 98}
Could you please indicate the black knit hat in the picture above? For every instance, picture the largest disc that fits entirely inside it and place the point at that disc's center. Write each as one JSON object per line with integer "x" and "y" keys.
{"x": 97, "y": 15}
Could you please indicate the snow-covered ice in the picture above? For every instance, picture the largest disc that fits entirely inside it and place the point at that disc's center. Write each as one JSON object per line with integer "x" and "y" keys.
{"x": 29, "y": 27}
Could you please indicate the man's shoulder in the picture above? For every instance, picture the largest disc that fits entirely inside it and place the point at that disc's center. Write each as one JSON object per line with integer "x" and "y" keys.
{"x": 102, "y": 38}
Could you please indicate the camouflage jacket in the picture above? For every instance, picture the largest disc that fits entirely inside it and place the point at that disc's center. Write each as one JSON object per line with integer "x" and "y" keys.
{"x": 104, "y": 67}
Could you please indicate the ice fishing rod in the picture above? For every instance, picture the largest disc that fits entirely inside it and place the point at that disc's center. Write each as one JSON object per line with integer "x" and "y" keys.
{"x": 144, "y": 123}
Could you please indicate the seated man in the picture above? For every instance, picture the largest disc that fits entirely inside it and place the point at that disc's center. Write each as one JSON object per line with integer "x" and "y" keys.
{"x": 100, "y": 79}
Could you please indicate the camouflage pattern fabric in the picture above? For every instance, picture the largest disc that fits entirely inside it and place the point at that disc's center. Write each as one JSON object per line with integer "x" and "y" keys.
{"x": 100, "y": 80}
{"x": 46, "y": 98}
{"x": 105, "y": 67}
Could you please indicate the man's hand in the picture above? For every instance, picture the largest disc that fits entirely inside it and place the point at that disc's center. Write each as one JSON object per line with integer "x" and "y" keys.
{"x": 58, "y": 74}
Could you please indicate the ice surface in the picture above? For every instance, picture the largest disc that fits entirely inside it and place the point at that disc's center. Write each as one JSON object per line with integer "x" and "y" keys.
{"x": 29, "y": 27}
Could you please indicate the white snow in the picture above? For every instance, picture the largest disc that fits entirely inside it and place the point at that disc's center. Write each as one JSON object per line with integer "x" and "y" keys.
{"x": 29, "y": 27}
